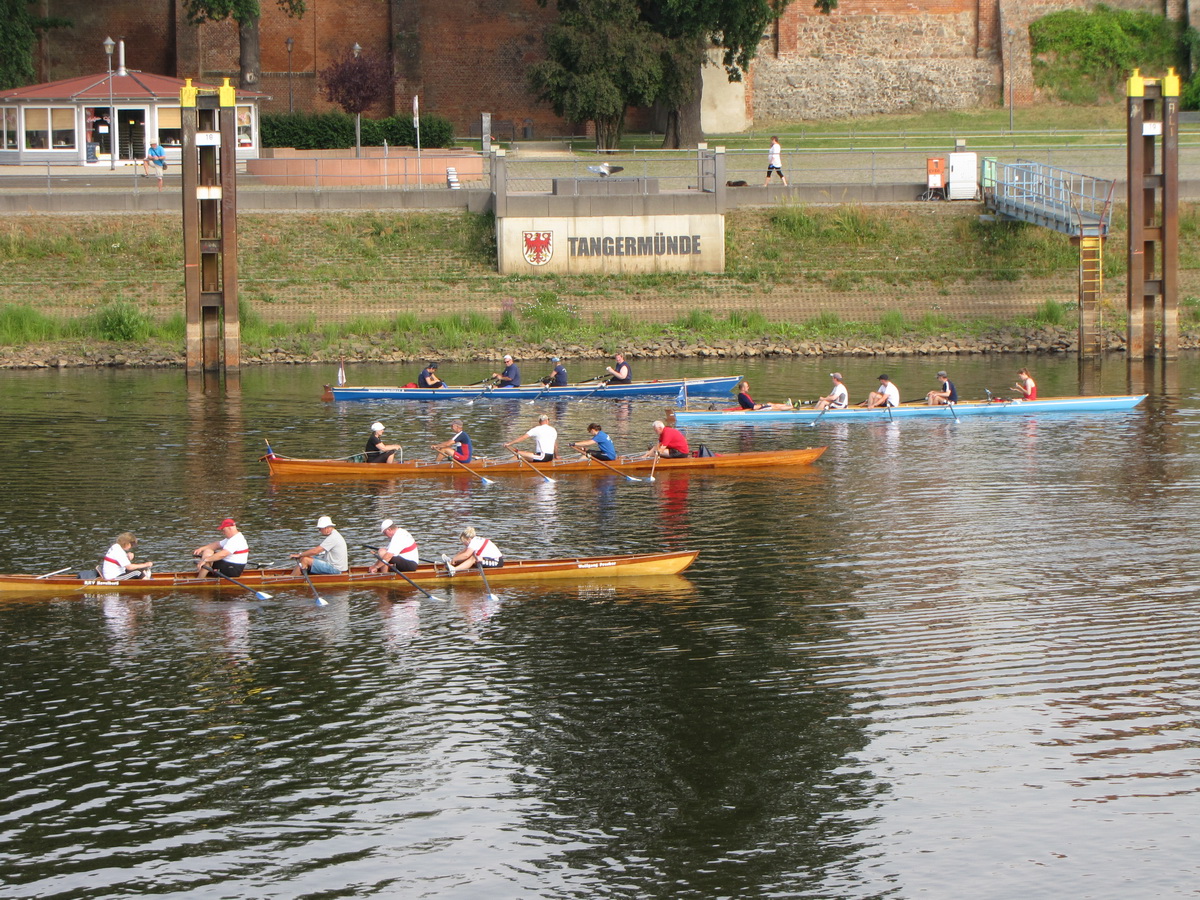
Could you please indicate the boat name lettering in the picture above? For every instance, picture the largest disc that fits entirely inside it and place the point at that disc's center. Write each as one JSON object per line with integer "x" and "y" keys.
{"x": 596, "y": 565}
{"x": 643, "y": 245}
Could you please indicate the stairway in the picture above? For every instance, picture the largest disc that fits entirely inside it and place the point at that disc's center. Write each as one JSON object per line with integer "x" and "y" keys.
{"x": 1091, "y": 281}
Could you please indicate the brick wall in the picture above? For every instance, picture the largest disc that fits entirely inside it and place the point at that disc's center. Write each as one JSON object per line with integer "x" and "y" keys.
{"x": 147, "y": 29}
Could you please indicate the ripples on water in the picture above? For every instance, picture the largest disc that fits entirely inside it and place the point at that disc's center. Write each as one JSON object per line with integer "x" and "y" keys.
{"x": 952, "y": 660}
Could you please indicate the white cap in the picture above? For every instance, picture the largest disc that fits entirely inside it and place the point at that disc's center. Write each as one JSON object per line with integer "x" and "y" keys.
{"x": 377, "y": 426}
{"x": 385, "y": 525}
{"x": 324, "y": 522}
{"x": 509, "y": 358}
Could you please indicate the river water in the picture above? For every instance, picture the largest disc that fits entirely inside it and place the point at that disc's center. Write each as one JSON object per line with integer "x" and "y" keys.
{"x": 950, "y": 660}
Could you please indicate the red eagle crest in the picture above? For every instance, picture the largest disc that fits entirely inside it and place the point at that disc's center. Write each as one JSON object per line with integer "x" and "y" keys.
{"x": 539, "y": 247}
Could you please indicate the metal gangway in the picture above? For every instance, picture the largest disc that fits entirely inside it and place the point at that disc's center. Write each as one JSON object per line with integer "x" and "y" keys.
{"x": 1067, "y": 202}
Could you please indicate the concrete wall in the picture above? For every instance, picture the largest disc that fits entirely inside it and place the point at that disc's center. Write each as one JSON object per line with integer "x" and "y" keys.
{"x": 611, "y": 244}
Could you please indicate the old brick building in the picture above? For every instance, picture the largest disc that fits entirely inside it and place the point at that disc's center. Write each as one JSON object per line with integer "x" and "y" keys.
{"x": 464, "y": 57}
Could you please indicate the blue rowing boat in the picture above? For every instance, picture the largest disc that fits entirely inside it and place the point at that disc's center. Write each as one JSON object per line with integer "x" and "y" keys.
{"x": 996, "y": 407}
{"x": 681, "y": 388}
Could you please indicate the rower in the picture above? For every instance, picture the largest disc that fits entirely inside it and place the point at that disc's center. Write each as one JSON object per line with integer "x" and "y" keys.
{"x": 838, "y": 398}
{"x": 510, "y": 377}
{"x": 330, "y": 557}
{"x": 944, "y": 396}
{"x": 1025, "y": 385}
{"x": 557, "y": 378}
{"x": 457, "y": 448}
{"x": 477, "y": 550}
{"x": 401, "y": 551}
{"x": 621, "y": 374}
{"x": 227, "y": 556}
{"x": 429, "y": 377}
{"x": 545, "y": 441}
{"x": 671, "y": 442}
{"x": 117, "y": 562}
{"x": 598, "y": 446}
{"x": 887, "y": 395}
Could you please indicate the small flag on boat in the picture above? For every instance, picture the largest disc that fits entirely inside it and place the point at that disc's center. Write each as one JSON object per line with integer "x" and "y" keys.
{"x": 341, "y": 373}
{"x": 681, "y": 397}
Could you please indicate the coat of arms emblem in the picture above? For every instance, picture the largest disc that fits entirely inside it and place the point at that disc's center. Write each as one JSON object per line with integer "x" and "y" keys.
{"x": 538, "y": 247}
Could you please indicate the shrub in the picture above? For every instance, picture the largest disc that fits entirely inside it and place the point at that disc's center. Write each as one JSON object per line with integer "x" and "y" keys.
{"x": 335, "y": 131}
{"x": 122, "y": 322}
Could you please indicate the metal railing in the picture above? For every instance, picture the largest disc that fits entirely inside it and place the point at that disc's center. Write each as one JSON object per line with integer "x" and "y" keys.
{"x": 1047, "y": 195}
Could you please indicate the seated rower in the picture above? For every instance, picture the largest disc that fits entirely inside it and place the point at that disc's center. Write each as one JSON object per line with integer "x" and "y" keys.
{"x": 400, "y": 553}
{"x": 457, "y": 448}
{"x": 620, "y": 373}
{"x": 476, "y": 551}
{"x": 887, "y": 395}
{"x": 545, "y": 442}
{"x": 598, "y": 446}
{"x": 377, "y": 451}
{"x": 429, "y": 377}
{"x": 838, "y": 398}
{"x": 746, "y": 402}
{"x": 118, "y": 561}
{"x": 227, "y": 556}
{"x": 671, "y": 442}
{"x": 1025, "y": 385}
{"x": 558, "y": 377}
{"x": 330, "y": 557}
{"x": 946, "y": 395}
{"x": 510, "y": 377}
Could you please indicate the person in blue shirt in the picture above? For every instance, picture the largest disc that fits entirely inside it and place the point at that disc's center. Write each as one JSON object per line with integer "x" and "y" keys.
{"x": 156, "y": 157}
{"x": 946, "y": 395}
{"x": 558, "y": 377}
{"x": 621, "y": 374}
{"x": 458, "y": 447}
{"x": 511, "y": 376}
{"x": 600, "y": 445}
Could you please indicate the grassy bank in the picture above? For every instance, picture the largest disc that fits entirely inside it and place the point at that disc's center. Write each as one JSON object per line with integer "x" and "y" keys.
{"x": 427, "y": 281}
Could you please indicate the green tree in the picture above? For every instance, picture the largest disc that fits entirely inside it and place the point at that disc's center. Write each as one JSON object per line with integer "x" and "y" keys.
{"x": 247, "y": 14}
{"x": 16, "y": 44}
{"x": 602, "y": 58}
{"x": 18, "y": 34}
{"x": 691, "y": 27}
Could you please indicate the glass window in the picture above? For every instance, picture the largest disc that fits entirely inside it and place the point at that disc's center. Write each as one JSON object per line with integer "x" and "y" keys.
{"x": 8, "y": 128}
{"x": 37, "y": 128}
{"x": 62, "y": 127}
{"x": 245, "y": 133}
{"x": 170, "y": 127}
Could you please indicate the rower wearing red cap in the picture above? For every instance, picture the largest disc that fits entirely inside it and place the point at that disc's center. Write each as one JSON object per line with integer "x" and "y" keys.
{"x": 227, "y": 556}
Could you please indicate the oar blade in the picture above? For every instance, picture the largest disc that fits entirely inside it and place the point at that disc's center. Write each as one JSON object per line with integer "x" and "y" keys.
{"x": 261, "y": 595}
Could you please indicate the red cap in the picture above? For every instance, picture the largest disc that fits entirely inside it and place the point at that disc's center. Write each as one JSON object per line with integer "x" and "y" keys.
{"x": 228, "y": 523}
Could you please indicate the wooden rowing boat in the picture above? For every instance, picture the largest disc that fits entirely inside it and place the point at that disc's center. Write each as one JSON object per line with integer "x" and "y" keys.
{"x": 593, "y": 568}
{"x": 996, "y": 407}
{"x": 583, "y": 390}
{"x": 732, "y": 463}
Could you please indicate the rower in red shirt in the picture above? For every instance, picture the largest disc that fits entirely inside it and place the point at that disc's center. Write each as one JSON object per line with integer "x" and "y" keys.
{"x": 671, "y": 442}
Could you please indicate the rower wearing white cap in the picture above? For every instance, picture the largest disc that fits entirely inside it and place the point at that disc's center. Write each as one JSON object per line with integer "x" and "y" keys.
{"x": 329, "y": 557}
{"x": 377, "y": 451}
{"x": 400, "y": 553}
{"x": 511, "y": 376}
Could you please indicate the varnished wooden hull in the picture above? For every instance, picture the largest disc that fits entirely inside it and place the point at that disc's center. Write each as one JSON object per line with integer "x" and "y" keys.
{"x": 531, "y": 570}
{"x": 732, "y": 463}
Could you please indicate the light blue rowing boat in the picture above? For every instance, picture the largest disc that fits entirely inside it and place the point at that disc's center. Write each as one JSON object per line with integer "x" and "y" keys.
{"x": 996, "y": 407}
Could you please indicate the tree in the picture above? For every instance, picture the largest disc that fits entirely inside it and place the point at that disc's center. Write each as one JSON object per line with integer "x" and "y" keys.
{"x": 247, "y": 14}
{"x": 691, "y": 26}
{"x": 357, "y": 82}
{"x": 18, "y": 34}
{"x": 602, "y": 58}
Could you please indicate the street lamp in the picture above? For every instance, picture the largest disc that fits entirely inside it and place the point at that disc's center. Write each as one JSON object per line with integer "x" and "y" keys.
{"x": 357, "y": 51}
{"x": 289, "y": 43}
{"x": 1011, "y": 67}
{"x": 109, "y": 43}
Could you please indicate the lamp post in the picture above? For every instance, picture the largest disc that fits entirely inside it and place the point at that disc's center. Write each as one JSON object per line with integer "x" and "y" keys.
{"x": 357, "y": 51}
{"x": 109, "y": 43}
{"x": 289, "y": 43}
{"x": 1011, "y": 67}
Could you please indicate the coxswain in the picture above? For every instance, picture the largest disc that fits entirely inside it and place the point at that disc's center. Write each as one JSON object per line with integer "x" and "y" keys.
{"x": 117, "y": 562}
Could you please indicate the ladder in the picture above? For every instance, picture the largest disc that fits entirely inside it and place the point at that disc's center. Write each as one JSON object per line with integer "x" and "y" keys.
{"x": 1091, "y": 282}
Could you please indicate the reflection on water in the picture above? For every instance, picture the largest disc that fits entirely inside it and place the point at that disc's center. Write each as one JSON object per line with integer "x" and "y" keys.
{"x": 949, "y": 654}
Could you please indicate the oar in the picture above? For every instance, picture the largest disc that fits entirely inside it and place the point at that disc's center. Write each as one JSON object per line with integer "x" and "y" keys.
{"x": 396, "y": 569}
{"x": 321, "y": 601}
{"x": 615, "y": 469}
{"x": 950, "y": 406}
{"x": 472, "y": 471}
{"x": 258, "y": 595}
{"x": 813, "y": 423}
{"x": 520, "y": 458}
{"x": 57, "y": 572}
{"x": 545, "y": 387}
{"x": 491, "y": 596}
{"x": 598, "y": 388}
{"x": 481, "y": 393}
{"x": 653, "y": 464}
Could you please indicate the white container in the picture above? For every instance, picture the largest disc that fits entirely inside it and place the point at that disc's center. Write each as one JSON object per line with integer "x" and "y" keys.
{"x": 963, "y": 179}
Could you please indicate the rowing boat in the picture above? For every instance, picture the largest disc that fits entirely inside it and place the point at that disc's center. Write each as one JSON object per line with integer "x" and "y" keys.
{"x": 288, "y": 467}
{"x": 583, "y": 390}
{"x": 997, "y": 407}
{"x": 529, "y": 570}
